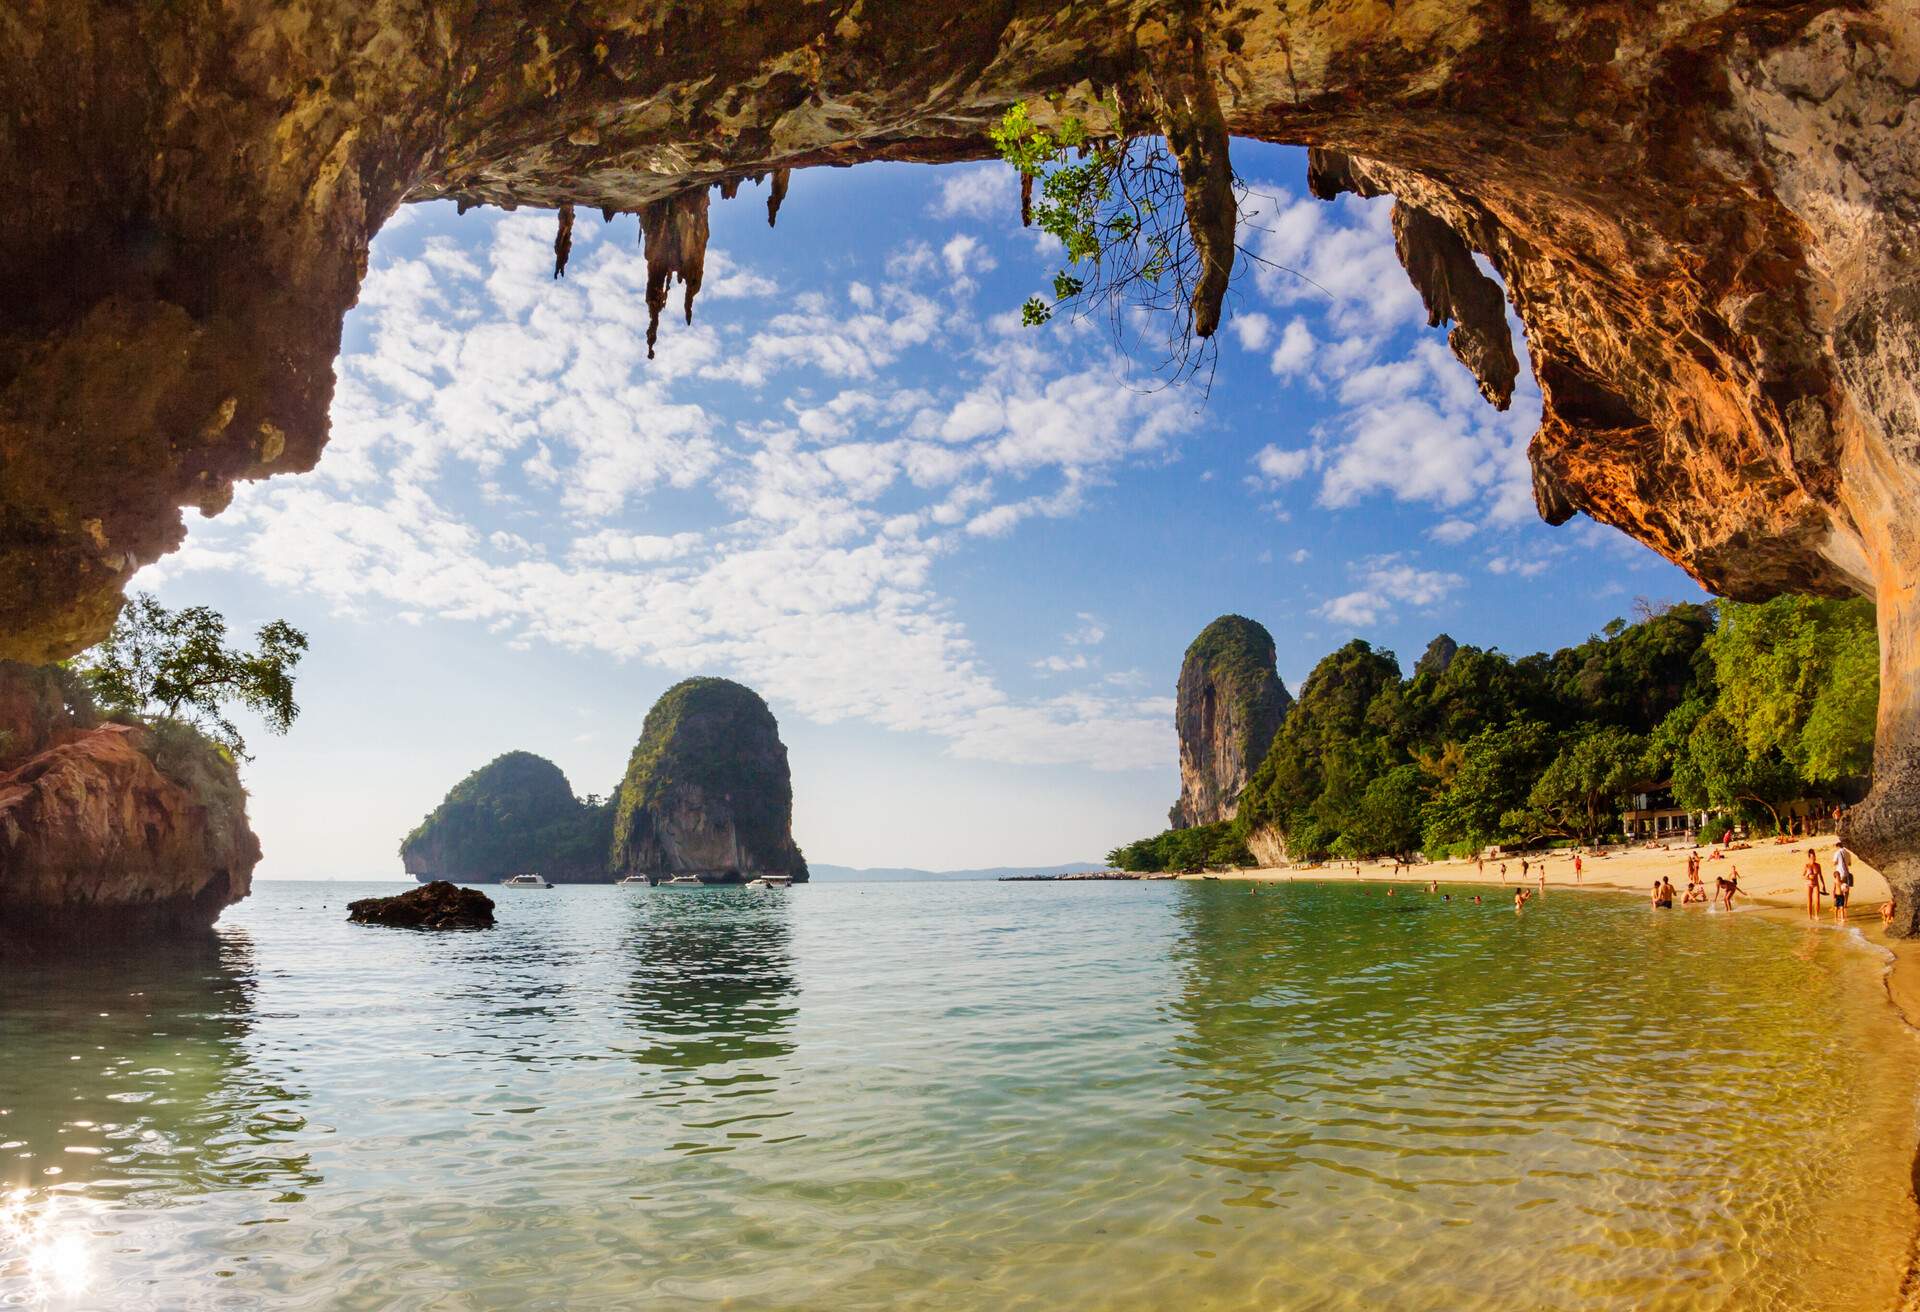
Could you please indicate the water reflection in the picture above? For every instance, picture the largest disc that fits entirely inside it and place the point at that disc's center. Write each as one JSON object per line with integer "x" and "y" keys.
{"x": 126, "y": 1084}
{"x": 711, "y": 982}
{"x": 130, "y": 1073}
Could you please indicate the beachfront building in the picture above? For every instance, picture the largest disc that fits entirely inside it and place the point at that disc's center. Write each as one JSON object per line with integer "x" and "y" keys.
{"x": 1654, "y": 814}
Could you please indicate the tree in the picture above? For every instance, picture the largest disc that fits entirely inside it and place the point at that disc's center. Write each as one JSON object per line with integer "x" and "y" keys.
{"x": 1497, "y": 770}
{"x": 1574, "y": 795}
{"x": 1389, "y": 814}
{"x": 1799, "y": 677}
{"x": 1718, "y": 771}
{"x": 175, "y": 665}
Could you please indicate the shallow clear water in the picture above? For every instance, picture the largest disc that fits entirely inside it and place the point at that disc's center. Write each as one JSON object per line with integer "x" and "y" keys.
{"x": 1121, "y": 1096}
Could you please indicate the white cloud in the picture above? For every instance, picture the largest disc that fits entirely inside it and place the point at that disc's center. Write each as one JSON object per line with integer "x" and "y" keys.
{"x": 981, "y": 191}
{"x": 964, "y": 256}
{"x": 1275, "y": 466}
{"x": 1385, "y": 581}
{"x": 1251, "y": 330}
{"x": 1295, "y": 351}
{"x": 1452, "y": 532}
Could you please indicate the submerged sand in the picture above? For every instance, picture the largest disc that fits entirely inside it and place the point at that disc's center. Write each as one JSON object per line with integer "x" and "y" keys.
{"x": 1769, "y": 878}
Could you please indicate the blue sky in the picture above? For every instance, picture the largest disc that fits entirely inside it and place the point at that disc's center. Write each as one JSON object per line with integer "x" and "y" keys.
{"x": 960, "y": 558}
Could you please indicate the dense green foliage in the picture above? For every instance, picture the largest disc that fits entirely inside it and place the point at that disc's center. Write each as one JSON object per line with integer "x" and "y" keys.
{"x": 1739, "y": 708}
{"x": 1184, "y": 850}
{"x": 160, "y": 664}
{"x": 517, "y": 813}
{"x": 718, "y": 736}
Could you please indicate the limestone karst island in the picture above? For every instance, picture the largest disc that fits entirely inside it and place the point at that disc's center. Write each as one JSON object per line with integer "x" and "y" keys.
{"x": 1328, "y": 591}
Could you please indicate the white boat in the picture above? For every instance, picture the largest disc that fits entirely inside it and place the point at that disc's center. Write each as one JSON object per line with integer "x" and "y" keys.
{"x": 683, "y": 881}
{"x": 631, "y": 880}
{"x": 524, "y": 881}
{"x": 771, "y": 881}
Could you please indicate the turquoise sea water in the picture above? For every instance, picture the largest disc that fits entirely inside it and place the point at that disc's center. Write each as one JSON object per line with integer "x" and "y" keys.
{"x": 1112, "y": 1096}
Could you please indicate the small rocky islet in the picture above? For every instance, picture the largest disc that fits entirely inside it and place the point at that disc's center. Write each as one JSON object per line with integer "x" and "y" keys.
{"x": 434, "y": 905}
{"x": 707, "y": 792}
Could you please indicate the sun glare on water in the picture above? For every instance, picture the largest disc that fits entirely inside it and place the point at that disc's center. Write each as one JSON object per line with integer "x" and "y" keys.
{"x": 43, "y": 1251}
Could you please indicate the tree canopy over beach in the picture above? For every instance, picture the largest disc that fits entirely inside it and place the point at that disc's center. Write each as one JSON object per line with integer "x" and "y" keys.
{"x": 1736, "y": 708}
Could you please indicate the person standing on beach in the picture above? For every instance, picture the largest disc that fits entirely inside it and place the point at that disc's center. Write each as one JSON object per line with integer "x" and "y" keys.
{"x": 1503, "y": 872}
{"x": 1523, "y": 870}
{"x": 1842, "y": 883}
{"x": 1816, "y": 886}
{"x": 1576, "y": 867}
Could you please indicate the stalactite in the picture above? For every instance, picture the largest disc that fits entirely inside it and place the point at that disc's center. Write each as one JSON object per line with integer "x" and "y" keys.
{"x": 729, "y": 188}
{"x": 1455, "y": 290}
{"x": 777, "y": 194}
{"x": 607, "y": 212}
{"x": 1189, "y": 114}
{"x": 1026, "y": 200}
{"x": 563, "y": 241}
{"x": 674, "y": 231}
{"x": 461, "y": 205}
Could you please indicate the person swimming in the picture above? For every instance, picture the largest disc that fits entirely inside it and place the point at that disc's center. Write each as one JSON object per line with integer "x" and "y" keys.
{"x": 1520, "y": 896}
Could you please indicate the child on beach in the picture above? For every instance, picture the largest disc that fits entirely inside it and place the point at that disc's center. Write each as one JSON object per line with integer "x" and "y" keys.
{"x": 1842, "y": 884}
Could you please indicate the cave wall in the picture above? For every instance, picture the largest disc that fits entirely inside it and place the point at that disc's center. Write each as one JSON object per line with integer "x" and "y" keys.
{"x": 1704, "y": 212}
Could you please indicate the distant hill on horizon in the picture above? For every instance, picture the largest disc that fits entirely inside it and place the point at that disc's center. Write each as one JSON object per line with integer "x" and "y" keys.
{"x": 823, "y": 873}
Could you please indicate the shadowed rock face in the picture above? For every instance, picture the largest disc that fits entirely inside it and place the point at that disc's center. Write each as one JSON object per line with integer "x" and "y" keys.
{"x": 1705, "y": 213}
{"x": 112, "y": 832}
{"x": 707, "y": 790}
{"x": 1227, "y": 708}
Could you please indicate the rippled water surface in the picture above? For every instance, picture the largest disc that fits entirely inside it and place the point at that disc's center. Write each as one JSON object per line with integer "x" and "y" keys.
{"x": 1119, "y": 1096}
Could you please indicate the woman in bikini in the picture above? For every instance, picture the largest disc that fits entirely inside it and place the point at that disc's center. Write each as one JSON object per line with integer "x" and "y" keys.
{"x": 1816, "y": 886}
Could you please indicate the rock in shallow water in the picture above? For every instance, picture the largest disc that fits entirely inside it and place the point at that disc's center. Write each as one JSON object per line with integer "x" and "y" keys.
{"x": 438, "y": 905}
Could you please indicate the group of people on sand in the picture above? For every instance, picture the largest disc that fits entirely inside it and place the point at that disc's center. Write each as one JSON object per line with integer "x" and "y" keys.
{"x": 1842, "y": 885}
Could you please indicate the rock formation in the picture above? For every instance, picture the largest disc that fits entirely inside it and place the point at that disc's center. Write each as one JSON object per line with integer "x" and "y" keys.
{"x": 1705, "y": 213}
{"x": 1228, "y": 706}
{"x": 1437, "y": 658}
{"x": 707, "y": 791}
{"x": 111, "y": 831}
{"x": 515, "y": 814}
{"x": 438, "y": 905}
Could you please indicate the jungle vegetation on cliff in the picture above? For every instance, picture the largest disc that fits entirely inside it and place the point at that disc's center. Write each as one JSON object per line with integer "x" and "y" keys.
{"x": 1738, "y": 709}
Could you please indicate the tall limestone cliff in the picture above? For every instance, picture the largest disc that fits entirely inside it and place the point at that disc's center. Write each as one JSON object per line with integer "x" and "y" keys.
{"x": 111, "y": 831}
{"x": 707, "y": 790}
{"x": 516, "y": 813}
{"x": 1228, "y": 707}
